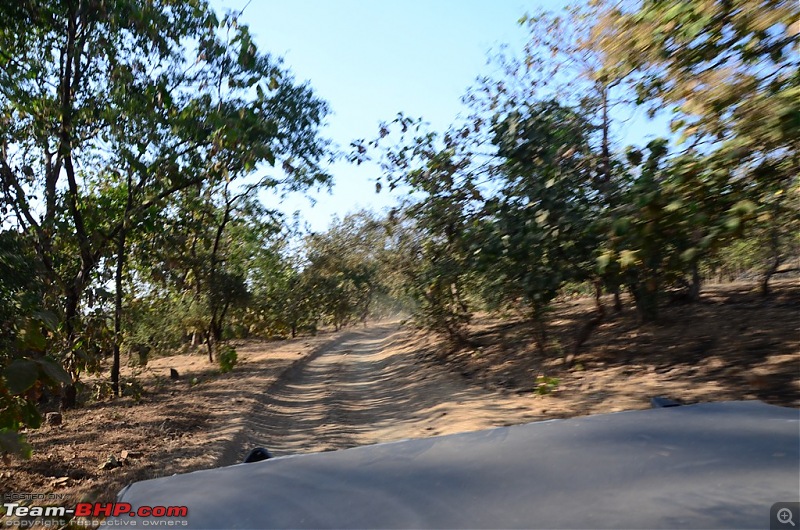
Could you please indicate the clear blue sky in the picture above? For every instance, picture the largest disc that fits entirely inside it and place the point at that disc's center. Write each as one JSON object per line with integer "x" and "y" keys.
{"x": 373, "y": 59}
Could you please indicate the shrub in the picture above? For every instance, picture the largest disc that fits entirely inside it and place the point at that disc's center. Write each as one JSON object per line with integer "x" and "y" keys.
{"x": 227, "y": 358}
{"x": 545, "y": 384}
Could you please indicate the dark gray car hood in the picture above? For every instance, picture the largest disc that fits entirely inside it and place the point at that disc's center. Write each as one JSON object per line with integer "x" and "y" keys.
{"x": 712, "y": 465}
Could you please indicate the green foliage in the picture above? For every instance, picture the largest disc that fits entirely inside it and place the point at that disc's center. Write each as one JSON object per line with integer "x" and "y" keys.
{"x": 436, "y": 248}
{"x": 729, "y": 72}
{"x": 127, "y": 131}
{"x": 133, "y": 389}
{"x": 205, "y": 269}
{"x": 124, "y": 133}
{"x": 227, "y": 358}
{"x": 26, "y": 372}
{"x": 538, "y": 233}
{"x": 729, "y": 67}
{"x": 430, "y": 234}
{"x": 346, "y": 269}
{"x": 282, "y": 302}
{"x": 531, "y": 193}
{"x": 25, "y": 331}
{"x": 545, "y": 385}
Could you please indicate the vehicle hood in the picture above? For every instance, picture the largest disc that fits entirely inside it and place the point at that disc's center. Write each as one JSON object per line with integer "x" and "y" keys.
{"x": 710, "y": 465}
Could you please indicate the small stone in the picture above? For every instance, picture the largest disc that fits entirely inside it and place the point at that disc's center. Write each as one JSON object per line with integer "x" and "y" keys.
{"x": 111, "y": 463}
{"x": 60, "y": 481}
{"x": 53, "y": 418}
{"x": 78, "y": 474}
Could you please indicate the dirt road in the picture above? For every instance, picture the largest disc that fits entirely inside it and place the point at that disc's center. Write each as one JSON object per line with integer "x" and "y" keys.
{"x": 364, "y": 386}
{"x": 367, "y": 387}
{"x": 332, "y": 391}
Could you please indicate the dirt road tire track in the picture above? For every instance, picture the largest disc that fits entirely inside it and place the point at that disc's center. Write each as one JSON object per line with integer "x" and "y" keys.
{"x": 366, "y": 386}
{"x": 252, "y": 434}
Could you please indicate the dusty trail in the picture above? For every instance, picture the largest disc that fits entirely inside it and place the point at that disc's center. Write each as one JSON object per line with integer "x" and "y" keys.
{"x": 366, "y": 387}
{"x": 363, "y": 386}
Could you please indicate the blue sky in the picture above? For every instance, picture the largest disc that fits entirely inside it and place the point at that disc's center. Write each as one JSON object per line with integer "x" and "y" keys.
{"x": 373, "y": 59}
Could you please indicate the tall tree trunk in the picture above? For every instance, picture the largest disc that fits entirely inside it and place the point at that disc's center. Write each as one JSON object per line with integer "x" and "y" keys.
{"x": 70, "y": 392}
{"x": 217, "y": 320}
{"x": 118, "y": 312}
{"x": 210, "y": 346}
{"x": 694, "y": 289}
{"x": 121, "y": 255}
{"x": 645, "y": 298}
{"x": 775, "y": 263}
{"x": 648, "y": 301}
{"x": 617, "y": 299}
{"x": 215, "y": 327}
{"x": 75, "y": 287}
{"x": 773, "y": 268}
{"x": 539, "y": 328}
{"x": 586, "y": 330}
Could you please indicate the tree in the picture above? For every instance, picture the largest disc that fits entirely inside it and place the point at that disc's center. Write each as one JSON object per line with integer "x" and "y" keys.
{"x": 27, "y": 370}
{"x": 90, "y": 90}
{"x": 560, "y": 60}
{"x": 283, "y": 299}
{"x": 728, "y": 67}
{"x": 213, "y": 255}
{"x": 345, "y": 267}
{"x": 540, "y": 227}
{"x": 435, "y": 249}
{"x": 729, "y": 72}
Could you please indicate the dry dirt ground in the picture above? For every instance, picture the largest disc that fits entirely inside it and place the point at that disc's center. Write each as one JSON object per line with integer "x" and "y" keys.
{"x": 388, "y": 382}
{"x": 732, "y": 344}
